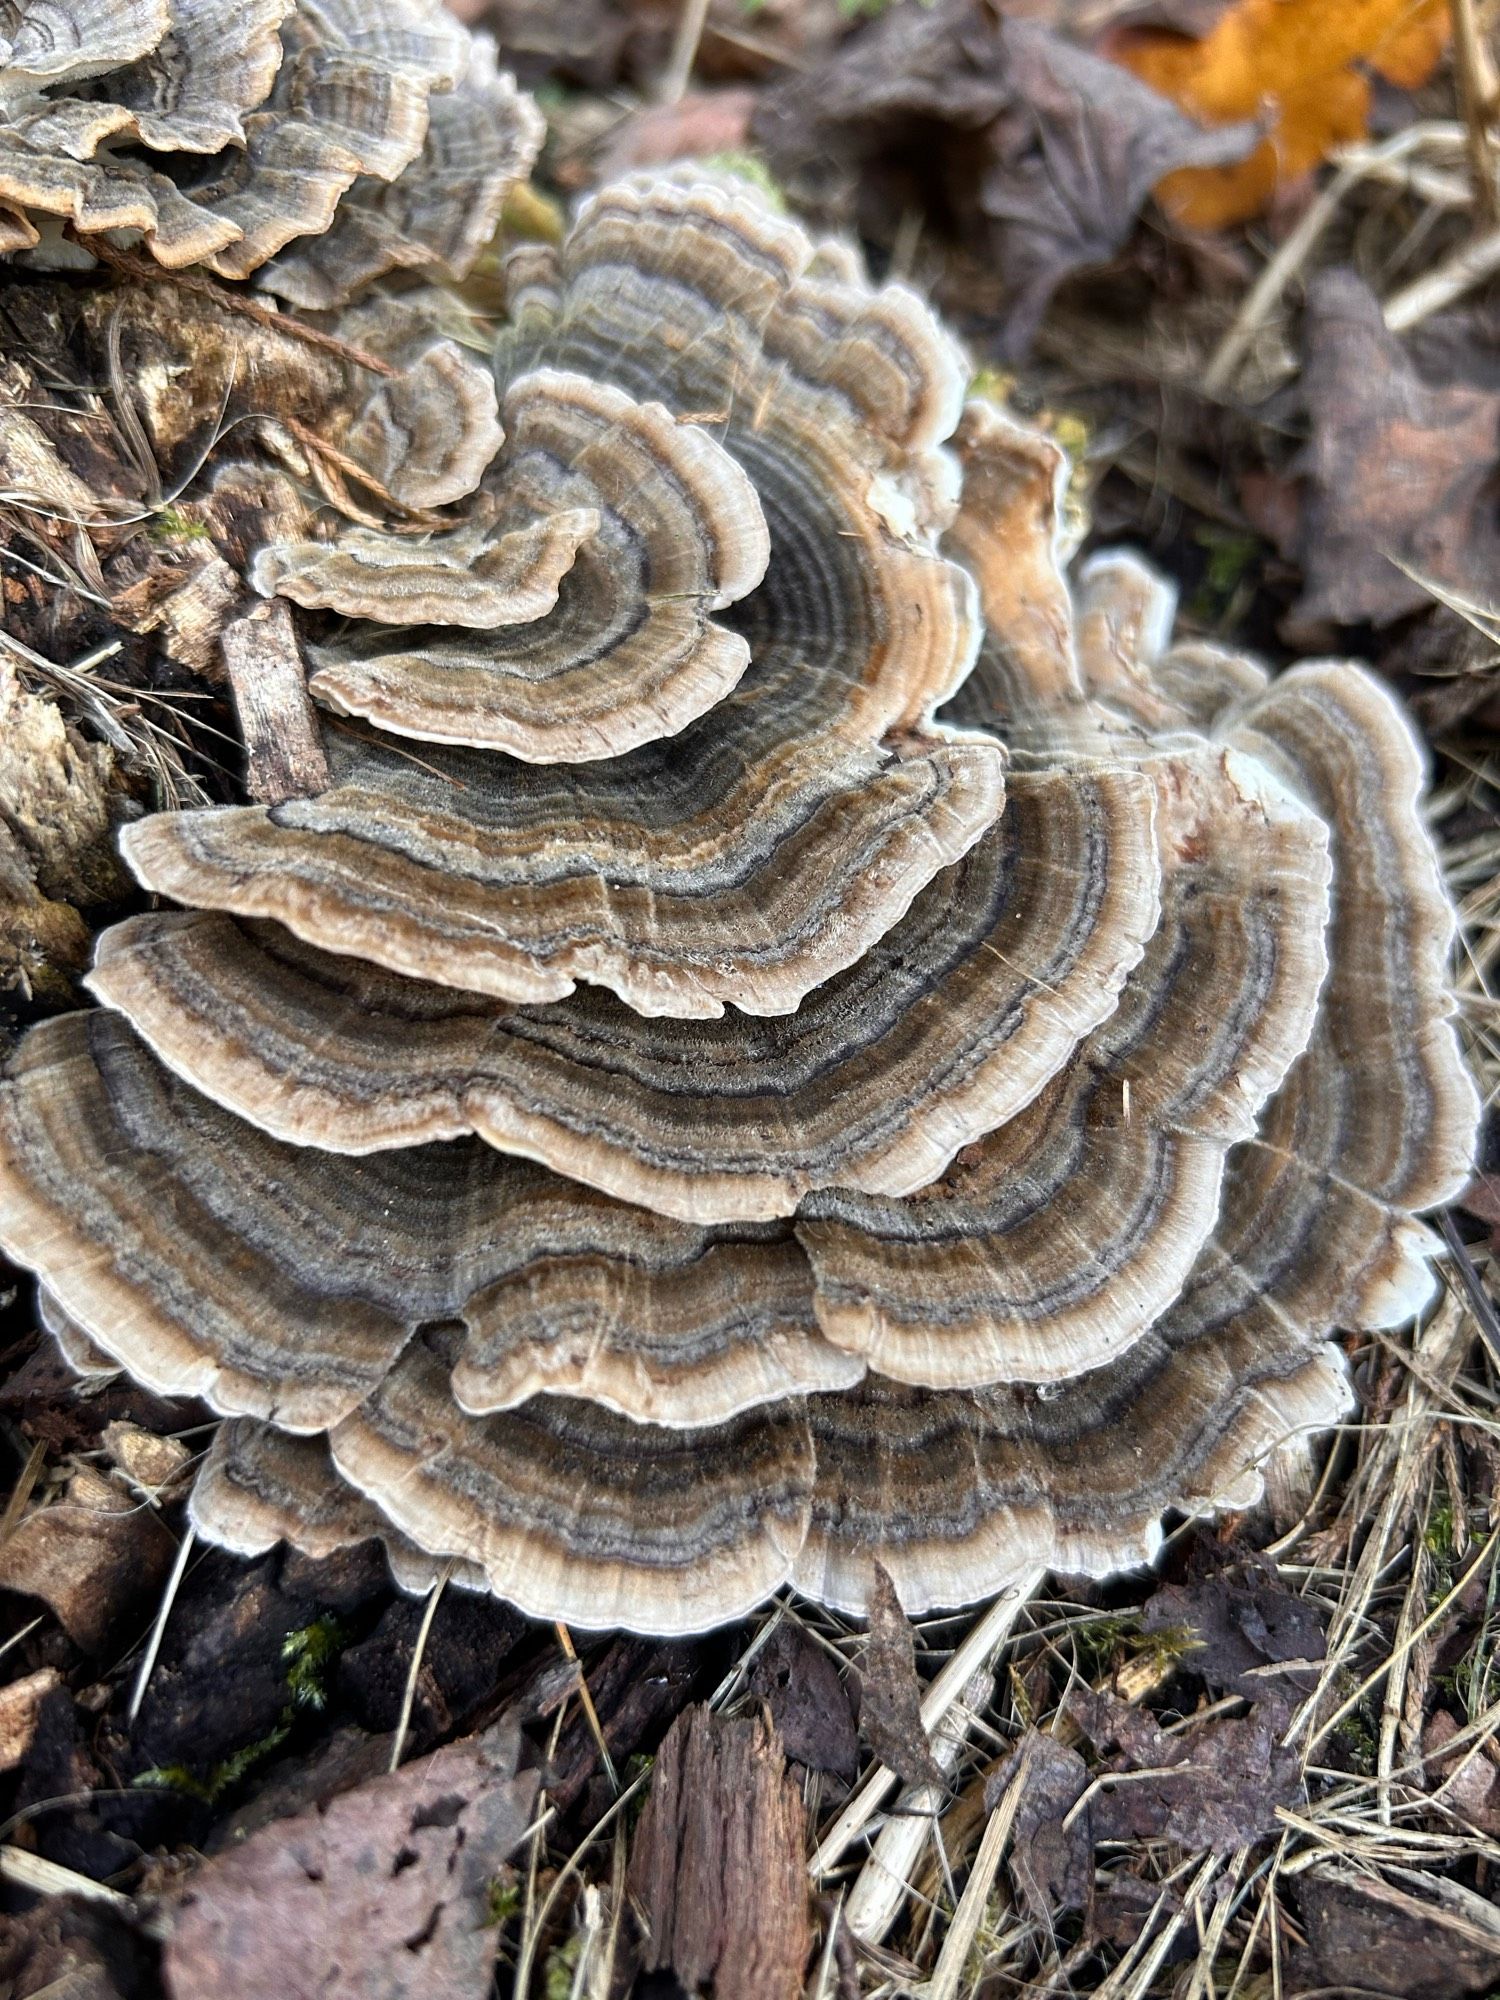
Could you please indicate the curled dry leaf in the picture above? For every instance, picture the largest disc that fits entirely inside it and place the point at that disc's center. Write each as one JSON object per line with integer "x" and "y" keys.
{"x": 378, "y": 1894}
{"x": 1044, "y": 153}
{"x": 795, "y": 1036}
{"x": 1219, "y": 1783}
{"x": 890, "y": 1708}
{"x": 1399, "y": 472}
{"x": 1304, "y": 63}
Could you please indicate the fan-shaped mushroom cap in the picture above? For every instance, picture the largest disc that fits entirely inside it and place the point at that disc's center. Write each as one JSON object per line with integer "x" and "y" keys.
{"x": 1059, "y": 1118}
{"x": 945, "y": 1028}
{"x": 258, "y": 1486}
{"x": 426, "y": 435}
{"x": 249, "y": 120}
{"x": 646, "y": 526}
{"x": 1052, "y": 1244}
{"x": 442, "y": 212}
{"x": 55, "y": 39}
{"x": 754, "y": 398}
{"x": 123, "y": 1189}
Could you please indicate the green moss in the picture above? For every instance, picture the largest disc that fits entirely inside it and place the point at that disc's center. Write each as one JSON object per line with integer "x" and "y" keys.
{"x": 223, "y": 1777}
{"x": 504, "y": 1902}
{"x": 1102, "y": 1643}
{"x": 170, "y": 524}
{"x": 557, "y": 1978}
{"x": 309, "y": 1654}
{"x": 749, "y": 167}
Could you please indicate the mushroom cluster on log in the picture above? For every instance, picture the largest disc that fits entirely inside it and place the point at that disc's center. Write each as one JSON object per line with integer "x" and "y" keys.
{"x": 793, "y": 1035}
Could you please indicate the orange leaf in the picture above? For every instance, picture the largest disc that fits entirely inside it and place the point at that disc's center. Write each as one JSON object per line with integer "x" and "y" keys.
{"x": 1299, "y": 65}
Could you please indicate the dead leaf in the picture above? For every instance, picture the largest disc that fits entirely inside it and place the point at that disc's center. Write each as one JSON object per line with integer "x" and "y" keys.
{"x": 1038, "y": 152}
{"x": 381, "y": 1894}
{"x": 890, "y": 1711}
{"x": 1468, "y": 1780}
{"x": 20, "y": 1712}
{"x": 1238, "y": 1625}
{"x": 91, "y": 1558}
{"x": 1051, "y": 1856}
{"x": 717, "y": 1864}
{"x": 1302, "y": 62}
{"x": 1399, "y": 474}
{"x": 809, "y": 1703}
{"x": 1215, "y": 1784}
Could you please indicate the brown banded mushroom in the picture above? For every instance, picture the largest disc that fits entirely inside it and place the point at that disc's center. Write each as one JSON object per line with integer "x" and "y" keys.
{"x": 218, "y": 132}
{"x": 794, "y": 1034}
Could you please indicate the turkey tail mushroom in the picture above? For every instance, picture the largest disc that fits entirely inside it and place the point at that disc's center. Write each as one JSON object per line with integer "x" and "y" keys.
{"x": 797, "y": 1034}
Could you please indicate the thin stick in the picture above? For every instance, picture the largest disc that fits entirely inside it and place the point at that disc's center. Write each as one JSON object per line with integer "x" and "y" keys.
{"x": 689, "y": 34}
{"x": 983, "y": 1640}
{"x": 885, "y": 1881}
{"x": 963, "y": 1930}
{"x": 158, "y": 1630}
{"x": 16, "y": 1505}
{"x": 129, "y": 265}
{"x": 1476, "y": 97}
{"x": 1264, "y": 295}
{"x": 50, "y": 1878}
{"x": 409, "y": 1693}
{"x": 1445, "y": 282}
{"x": 565, "y": 1640}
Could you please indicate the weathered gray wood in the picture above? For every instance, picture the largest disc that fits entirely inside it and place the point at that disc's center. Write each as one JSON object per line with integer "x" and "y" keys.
{"x": 283, "y": 744}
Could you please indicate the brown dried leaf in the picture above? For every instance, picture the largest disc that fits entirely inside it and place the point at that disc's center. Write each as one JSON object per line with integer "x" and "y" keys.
{"x": 890, "y": 1714}
{"x": 378, "y": 1895}
{"x": 1237, "y": 1626}
{"x": 1214, "y": 1785}
{"x": 1042, "y": 153}
{"x": 1468, "y": 1779}
{"x": 808, "y": 1700}
{"x": 1051, "y": 1857}
{"x": 1400, "y": 473}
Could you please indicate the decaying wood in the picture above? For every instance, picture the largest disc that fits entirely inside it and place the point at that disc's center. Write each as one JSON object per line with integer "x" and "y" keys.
{"x": 717, "y": 1871}
{"x": 283, "y": 747}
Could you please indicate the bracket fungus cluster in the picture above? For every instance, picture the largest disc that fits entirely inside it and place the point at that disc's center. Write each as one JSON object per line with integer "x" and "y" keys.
{"x": 792, "y": 1036}
{"x": 221, "y": 132}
